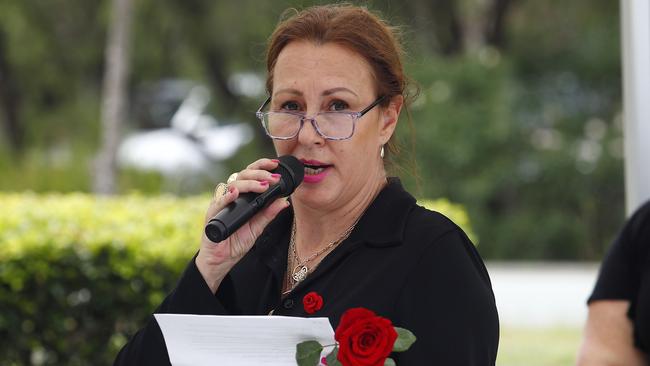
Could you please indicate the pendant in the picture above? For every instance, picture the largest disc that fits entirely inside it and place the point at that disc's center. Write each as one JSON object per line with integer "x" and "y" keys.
{"x": 299, "y": 274}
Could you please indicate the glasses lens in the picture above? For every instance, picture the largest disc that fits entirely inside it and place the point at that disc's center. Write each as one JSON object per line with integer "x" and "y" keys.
{"x": 332, "y": 125}
{"x": 281, "y": 124}
{"x": 335, "y": 125}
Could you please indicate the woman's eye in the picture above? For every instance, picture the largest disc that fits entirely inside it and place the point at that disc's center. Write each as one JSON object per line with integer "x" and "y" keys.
{"x": 338, "y": 105}
{"x": 290, "y": 106}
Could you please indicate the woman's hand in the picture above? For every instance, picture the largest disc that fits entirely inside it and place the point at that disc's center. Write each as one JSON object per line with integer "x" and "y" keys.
{"x": 214, "y": 261}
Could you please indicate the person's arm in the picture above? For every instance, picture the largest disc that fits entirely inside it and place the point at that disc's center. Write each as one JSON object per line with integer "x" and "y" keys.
{"x": 608, "y": 339}
{"x": 205, "y": 287}
{"x": 448, "y": 304}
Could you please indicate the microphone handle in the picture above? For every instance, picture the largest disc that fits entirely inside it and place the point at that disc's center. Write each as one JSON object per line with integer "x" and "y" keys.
{"x": 238, "y": 212}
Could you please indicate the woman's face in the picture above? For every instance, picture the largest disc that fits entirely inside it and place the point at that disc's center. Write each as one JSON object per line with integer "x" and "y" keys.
{"x": 311, "y": 78}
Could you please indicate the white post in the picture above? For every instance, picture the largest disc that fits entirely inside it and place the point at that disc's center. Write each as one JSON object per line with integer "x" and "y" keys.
{"x": 635, "y": 22}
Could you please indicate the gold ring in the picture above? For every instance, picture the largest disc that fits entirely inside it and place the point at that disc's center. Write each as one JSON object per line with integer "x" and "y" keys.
{"x": 220, "y": 190}
{"x": 232, "y": 178}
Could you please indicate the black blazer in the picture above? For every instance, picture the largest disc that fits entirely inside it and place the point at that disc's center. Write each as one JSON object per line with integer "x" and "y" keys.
{"x": 402, "y": 261}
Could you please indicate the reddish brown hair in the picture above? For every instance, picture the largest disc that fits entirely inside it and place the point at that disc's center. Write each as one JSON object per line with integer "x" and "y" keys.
{"x": 352, "y": 27}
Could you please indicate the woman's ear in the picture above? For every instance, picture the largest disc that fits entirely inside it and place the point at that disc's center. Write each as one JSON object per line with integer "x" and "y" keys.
{"x": 390, "y": 115}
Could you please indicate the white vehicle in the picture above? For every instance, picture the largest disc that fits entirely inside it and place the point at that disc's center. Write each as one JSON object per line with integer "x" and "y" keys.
{"x": 187, "y": 146}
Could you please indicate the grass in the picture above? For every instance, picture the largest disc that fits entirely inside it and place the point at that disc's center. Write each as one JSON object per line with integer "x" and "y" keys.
{"x": 538, "y": 346}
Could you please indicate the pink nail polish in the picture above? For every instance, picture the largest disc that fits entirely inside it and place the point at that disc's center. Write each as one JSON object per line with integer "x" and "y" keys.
{"x": 275, "y": 175}
{"x": 275, "y": 160}
{"x": 231, "y": 189}
{"x": 264, "y": 183}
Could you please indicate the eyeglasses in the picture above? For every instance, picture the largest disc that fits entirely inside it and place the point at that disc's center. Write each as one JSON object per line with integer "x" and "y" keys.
{"x": 329, "y": 125}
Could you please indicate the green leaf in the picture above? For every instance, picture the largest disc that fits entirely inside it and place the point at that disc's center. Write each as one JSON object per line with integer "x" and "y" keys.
{"x": 389, "y": 362}
{"x": 404, "y": 339}
{"x": 308, "y": 353}
{"x": 332, "y": 359}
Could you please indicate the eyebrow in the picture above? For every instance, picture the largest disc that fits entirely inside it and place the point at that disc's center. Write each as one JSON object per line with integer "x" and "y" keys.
{"x": 325, "y": 93}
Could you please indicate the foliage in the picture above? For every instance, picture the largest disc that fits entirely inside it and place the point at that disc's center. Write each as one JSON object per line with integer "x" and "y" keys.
{"x": 537, "y": 185}
{"x": 79, "y": 274}
{"x": 518, "y": 119}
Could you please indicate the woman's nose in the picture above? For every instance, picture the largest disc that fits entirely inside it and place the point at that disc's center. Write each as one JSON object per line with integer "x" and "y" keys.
{"x": 308, "y": 133}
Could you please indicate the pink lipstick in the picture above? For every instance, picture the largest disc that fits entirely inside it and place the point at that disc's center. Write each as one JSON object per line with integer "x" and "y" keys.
{"x": 315, "y": 171}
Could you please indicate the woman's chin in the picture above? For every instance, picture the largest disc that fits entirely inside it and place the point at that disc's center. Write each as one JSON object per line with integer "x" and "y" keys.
{"x": 313, "y": 195}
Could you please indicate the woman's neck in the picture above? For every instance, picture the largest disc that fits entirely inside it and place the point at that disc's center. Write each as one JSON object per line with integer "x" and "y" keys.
{"x": 315, "y": 229}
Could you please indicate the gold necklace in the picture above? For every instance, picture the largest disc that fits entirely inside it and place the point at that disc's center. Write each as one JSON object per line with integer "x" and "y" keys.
{"x": 300, "y": 271}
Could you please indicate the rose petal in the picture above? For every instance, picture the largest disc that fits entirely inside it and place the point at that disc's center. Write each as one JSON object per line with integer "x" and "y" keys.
{"x": 364, "y": 338}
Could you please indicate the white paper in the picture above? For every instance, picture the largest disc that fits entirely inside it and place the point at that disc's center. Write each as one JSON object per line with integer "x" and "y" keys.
{"x": 239, "y": 340}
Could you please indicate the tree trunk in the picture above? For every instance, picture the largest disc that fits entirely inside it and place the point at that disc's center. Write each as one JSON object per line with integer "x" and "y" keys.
{"x": 10, "y": 101}
{"x": 219, "y": 79}
{"x": 449, "y": 27}
{"x": 474, "y": 19}
{"x": 114, "y": 98}
{"x": 495, "y": 26}
{"x": 437, "y": 25}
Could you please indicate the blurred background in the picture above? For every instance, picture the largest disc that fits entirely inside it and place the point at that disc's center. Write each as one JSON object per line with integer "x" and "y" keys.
{"x": 107, "y": 120}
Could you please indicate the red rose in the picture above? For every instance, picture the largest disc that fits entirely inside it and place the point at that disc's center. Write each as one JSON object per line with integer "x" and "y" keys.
{"x": 365, "y": 339}
{"x": 312, "y": 302}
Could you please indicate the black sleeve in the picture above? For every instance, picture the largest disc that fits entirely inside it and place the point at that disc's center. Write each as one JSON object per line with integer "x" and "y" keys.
{"x": 620, "y": 272}
{"x": 448, "y": 304}
{"x": 191, "y": 296}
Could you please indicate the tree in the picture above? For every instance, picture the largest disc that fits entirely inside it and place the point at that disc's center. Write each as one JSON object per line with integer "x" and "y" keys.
{"x": 114, "y": 95}
{"x": 10, "y": 99}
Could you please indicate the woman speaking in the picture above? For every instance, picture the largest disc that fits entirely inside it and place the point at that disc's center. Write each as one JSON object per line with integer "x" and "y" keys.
{"x": 349, "y": 233}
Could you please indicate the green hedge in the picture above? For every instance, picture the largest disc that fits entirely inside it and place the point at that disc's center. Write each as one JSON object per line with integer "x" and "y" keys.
{"x": 79, "y": 274}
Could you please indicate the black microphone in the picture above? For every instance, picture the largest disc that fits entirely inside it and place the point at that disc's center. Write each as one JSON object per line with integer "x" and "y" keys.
{"x": 238, "y": 212}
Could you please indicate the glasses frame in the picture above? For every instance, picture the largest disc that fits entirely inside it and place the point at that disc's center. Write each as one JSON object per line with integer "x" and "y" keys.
{"x": 354, "y": 115}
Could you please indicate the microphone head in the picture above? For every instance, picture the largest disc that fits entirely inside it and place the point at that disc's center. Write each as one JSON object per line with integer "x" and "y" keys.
{"x": 292, "y": 171}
